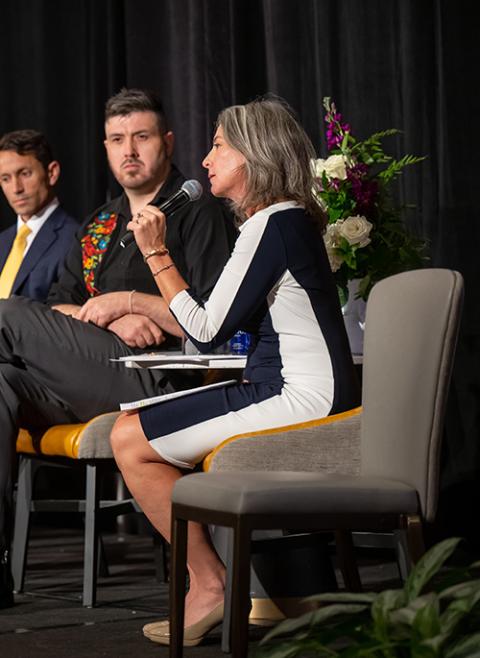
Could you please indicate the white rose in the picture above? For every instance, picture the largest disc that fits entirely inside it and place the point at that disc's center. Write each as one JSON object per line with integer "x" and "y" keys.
{"x": 331, "y": 235}
{"x": 330, "y": 239}
{"x": 334, "y": 259}
{"x": 334, "y": 167}
{"x": 356, "y": 230}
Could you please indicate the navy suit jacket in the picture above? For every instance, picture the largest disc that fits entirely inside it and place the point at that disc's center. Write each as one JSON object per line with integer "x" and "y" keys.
{"x": 44, "y": 259}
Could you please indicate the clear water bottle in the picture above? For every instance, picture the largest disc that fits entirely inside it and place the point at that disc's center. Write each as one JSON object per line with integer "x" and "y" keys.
{"x": 240, "y": 343}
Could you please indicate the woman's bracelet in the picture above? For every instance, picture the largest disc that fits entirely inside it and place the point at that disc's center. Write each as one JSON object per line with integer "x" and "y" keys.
{"x": 130, "y": 301}
{"x": 155, "y": 252}
{"x": 162, "y": 269}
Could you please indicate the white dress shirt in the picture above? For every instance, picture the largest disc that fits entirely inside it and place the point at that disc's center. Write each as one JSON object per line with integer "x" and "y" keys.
{"x": 36, "y": 222}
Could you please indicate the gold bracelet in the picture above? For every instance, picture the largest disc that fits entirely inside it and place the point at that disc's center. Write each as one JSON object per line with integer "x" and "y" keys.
{"x": 155, "y": 252}
{"x": 162, "y": 269}
{"x": 130, "y": 301}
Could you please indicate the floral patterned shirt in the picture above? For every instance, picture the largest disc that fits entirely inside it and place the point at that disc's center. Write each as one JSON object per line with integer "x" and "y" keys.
{"x": 200, "y": 237}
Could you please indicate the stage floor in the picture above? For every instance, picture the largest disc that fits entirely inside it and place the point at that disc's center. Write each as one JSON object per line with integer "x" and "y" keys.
{"x": 49, "y": 621}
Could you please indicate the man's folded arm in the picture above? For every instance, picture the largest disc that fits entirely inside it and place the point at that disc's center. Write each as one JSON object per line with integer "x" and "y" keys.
{"x": 69, "y": 291}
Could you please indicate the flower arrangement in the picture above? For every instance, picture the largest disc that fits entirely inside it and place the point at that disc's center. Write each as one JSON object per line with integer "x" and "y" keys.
{"x": 365, "y": 237}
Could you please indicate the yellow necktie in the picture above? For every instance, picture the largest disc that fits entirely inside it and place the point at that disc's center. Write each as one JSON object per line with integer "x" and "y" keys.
{"x": 13, "y": 262}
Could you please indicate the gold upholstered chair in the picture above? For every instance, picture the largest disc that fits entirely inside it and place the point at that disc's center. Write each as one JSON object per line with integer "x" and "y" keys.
{"x": 84, "y": 446}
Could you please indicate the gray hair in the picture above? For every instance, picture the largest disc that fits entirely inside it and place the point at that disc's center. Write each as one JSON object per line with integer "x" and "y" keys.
{"x": 136, "y": 100}
{"x": 278, "y": 155}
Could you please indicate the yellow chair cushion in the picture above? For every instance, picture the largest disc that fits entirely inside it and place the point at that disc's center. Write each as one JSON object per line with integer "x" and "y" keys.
{"x": 79, "y": 441}
{"x": 59, "y": 440}
{"x": 327, "y": 420}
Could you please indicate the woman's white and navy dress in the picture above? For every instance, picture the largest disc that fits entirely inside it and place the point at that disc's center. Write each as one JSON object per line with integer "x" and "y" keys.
{"x": 278, "y": 286}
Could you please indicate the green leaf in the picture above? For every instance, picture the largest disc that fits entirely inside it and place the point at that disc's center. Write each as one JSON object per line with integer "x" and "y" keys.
{"x": 407, "y": 614}
{"x": 343, "y": 597}
{"x": 403, "y": 616}
{"x": 322, "y": 615}
{"x": 364, "y": 287}
{"x": 420, "y": 650}
{"x": 436, "y": 642}
{"x": 332, "y": 611}
{"x": 426, "y": 622}
{"x": 388, "y": 600}
{"x": 342, "y": 294}
{"x": 349, "y": 629}
{"x": 289, "y": 626}
{"x": 395, "y": 167}
{"x": 467, "y": 647}
{"x": 458, "y": 609}
{"x": 428, "y": 565}
{"x": 461, "y": 589}
{"x": 334, "y": 214}
{"x": 381, "y": 609}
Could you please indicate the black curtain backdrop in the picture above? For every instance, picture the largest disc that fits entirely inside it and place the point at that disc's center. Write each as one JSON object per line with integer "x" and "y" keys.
{"x": 408, "y": 64}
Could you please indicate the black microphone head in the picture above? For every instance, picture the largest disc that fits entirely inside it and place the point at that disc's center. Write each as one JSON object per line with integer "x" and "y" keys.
{"x": 192, "y": 189}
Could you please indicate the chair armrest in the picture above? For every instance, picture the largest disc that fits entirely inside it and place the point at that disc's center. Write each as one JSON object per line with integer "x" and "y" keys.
{"x": 328, "y": 445}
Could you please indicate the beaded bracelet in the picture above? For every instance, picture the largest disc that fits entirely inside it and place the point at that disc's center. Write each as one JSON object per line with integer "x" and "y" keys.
{"x": 162, "y": 269}
{"x": 155, "y": 252}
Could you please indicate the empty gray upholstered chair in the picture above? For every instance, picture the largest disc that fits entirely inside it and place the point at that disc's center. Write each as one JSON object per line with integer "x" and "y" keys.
{"x": 411, "y": 329}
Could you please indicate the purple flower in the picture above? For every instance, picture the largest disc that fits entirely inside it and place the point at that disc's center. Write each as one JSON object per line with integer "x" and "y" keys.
{"x": 364, "y": 190}
{"x": 358, "y": 170}
{"x": 336, "y": 130}
{"x": 334, "y": 184}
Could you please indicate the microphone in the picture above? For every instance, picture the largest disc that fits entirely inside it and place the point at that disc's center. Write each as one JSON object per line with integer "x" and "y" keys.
{"x": 191, "y": 190}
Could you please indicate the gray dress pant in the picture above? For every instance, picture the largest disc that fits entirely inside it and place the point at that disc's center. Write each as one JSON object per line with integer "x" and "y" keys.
{"x": 55, "y": 369}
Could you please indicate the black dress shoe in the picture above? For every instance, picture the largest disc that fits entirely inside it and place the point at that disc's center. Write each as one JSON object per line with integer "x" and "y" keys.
{"x": 6, "y": 582}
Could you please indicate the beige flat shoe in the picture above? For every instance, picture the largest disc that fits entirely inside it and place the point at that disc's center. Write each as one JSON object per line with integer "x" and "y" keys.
{"x": 154, "y": 625}
{"x": 159, "y": 631}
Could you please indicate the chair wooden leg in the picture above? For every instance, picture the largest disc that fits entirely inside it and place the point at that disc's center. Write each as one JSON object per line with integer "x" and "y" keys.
{"x": 178, "y": 576}
{"x": 402, "y": 553}
{"x": 21, "y": 530}
{"x": 227, "y": 616}
{"x": 409, "y": 544}
{"x": 347, "y": 561}
{"x": 241, "y": 589}
{"x": 90, "y": 559}
{"x": 416, "y": 544}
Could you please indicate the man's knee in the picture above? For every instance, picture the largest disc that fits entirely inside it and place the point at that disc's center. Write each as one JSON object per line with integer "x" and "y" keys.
{"x": 9, "y": 309}
{"x": 14, "y": 311}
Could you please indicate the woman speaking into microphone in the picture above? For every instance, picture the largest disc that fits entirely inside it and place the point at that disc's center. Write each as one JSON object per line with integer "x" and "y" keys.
{"x": 278, "y": 286}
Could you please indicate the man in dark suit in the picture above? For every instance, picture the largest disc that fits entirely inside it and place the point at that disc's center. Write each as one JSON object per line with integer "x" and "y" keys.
{"x": 32, "y": 251}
